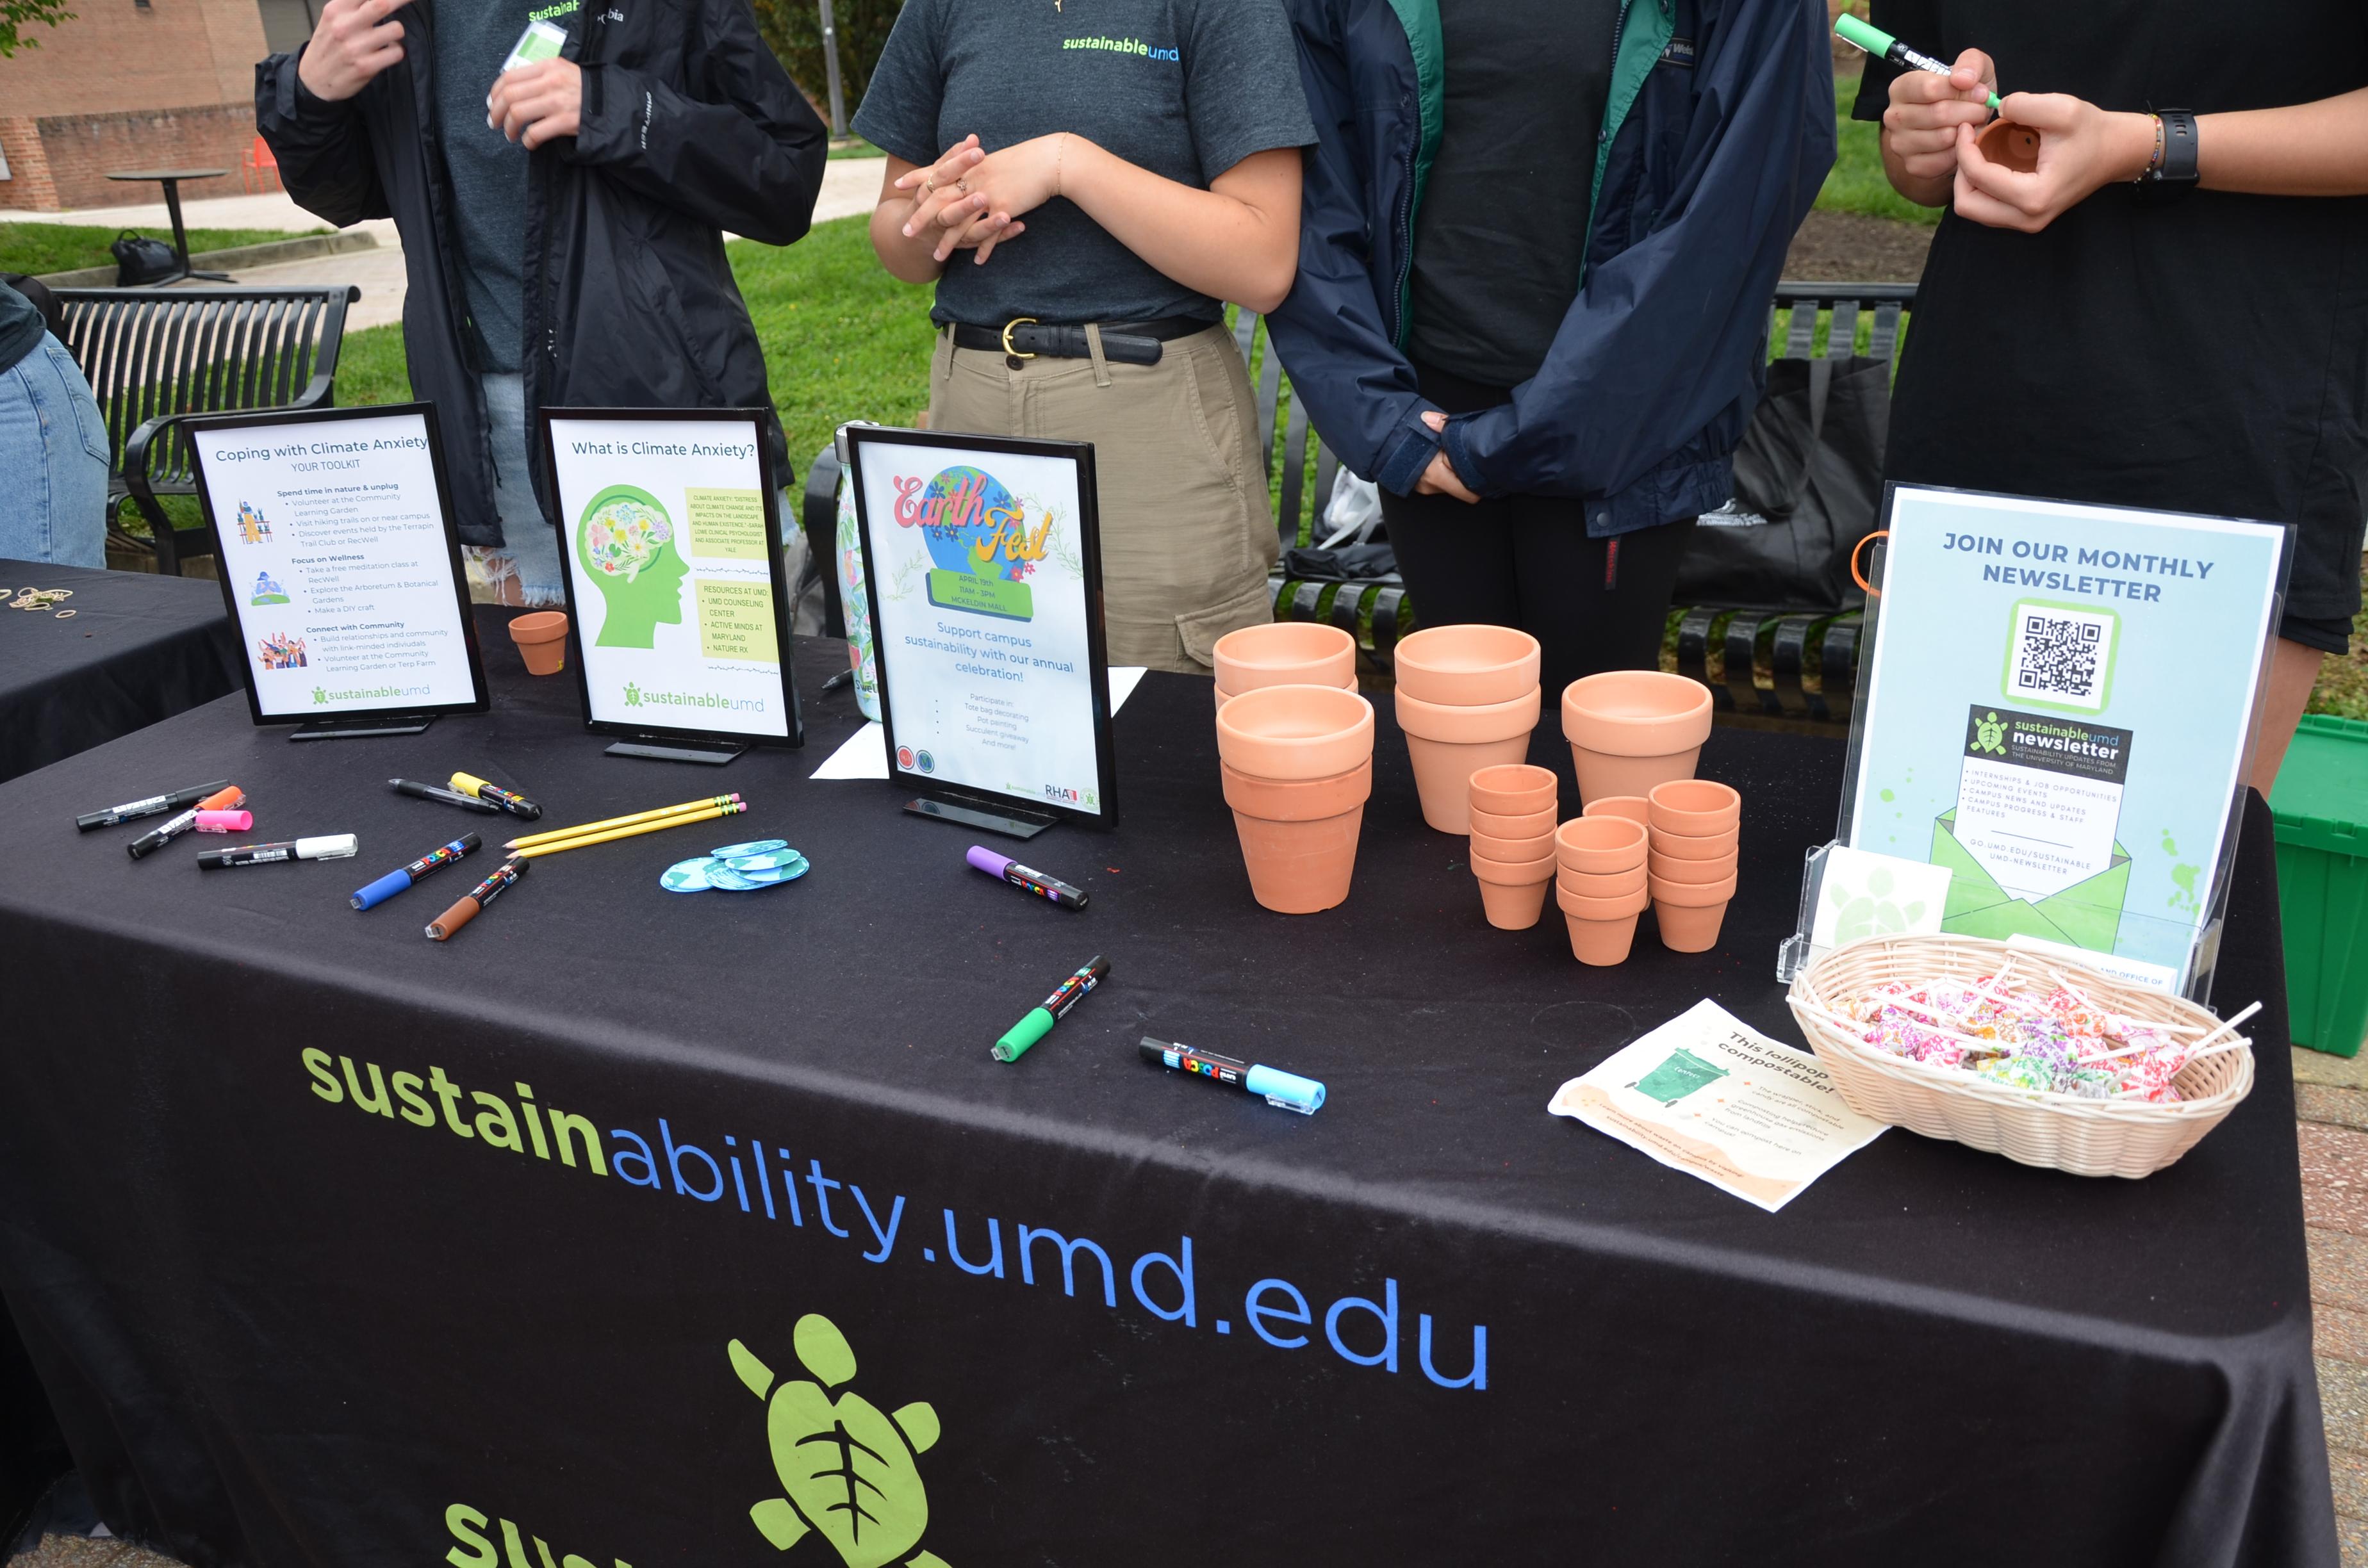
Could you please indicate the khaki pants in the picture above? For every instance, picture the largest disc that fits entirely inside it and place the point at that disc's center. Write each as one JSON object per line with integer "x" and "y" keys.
{"x": 1187, "y": 534}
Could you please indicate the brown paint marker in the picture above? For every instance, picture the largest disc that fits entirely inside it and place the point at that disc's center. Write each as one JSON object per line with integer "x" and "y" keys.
{"x": 440, "y": 930}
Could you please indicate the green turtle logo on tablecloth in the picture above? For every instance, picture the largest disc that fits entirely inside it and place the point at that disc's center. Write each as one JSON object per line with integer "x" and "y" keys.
{"x": 849, "y": 1469}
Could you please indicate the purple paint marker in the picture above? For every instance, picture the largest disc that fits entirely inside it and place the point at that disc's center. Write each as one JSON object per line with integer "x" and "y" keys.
{"x": 1019, "y": 875}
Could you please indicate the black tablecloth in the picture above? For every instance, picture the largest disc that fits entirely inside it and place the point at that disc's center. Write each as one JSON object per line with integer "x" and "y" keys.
{"x": 137, "y": 648}
{"x": 283, "y": 1325}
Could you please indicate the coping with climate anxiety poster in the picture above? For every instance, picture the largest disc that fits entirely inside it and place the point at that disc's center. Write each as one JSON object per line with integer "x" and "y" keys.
{"x": 979, "y": 570}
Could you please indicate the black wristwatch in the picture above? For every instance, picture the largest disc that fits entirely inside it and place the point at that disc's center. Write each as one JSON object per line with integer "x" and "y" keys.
{"x": 2174, "y": 175}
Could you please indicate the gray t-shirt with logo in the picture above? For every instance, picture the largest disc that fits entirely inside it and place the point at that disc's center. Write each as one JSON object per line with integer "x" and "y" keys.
{"x": 1184, "y": 88}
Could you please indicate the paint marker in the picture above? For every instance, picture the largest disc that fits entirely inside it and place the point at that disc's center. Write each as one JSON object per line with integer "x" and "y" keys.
{"x": 225, "y": 822}
{"x": 228, "y": 798}
{"x": 330, "y": 846}
{"x": 1051, "y": 1010}
{"x": 1883, "y": 46}
{"x": 1276, "y": 1088}
{"x": 437, "y": 792}
{"x": 1019, "y": 875}
{"x": 150, "y": 806}
{"x": 466, "y": 908}
{"x": 428, "y": 865}
{"x": 517, "y": 805}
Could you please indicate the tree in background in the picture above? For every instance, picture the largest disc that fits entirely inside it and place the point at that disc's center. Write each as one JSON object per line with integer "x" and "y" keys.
{"x": 794, "y": 29}
{"x": 15, "y": 15}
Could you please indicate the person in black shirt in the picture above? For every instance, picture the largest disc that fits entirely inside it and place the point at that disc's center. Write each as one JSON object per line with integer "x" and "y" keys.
{"x": 2084, "y": 332}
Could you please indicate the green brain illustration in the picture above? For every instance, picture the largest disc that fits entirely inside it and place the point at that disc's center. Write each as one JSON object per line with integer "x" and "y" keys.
{"x": 849, "y": 1469}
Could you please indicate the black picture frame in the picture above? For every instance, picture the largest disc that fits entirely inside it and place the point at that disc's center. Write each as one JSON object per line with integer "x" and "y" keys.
{"x": 769, "y": 484}
{"x": 853, "y": 439}
{"x": 353, "y": 717}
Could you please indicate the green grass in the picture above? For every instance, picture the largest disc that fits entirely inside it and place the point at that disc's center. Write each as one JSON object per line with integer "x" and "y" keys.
{"x": 66, "y": 247}
{"x": 854, "y": 147}
{"x": 1858, "y": 183}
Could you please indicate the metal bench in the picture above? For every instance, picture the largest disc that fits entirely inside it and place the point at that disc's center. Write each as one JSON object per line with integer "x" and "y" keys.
{"x": 154, "y": 356}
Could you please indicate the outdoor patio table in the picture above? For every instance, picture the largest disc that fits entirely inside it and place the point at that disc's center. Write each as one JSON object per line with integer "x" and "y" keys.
{"x": 631, "y": 1227}
{"x": 171, "y": 180}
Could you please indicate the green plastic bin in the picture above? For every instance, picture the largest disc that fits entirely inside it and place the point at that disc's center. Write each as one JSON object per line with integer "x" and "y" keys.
{"x": 2321, "y": 806}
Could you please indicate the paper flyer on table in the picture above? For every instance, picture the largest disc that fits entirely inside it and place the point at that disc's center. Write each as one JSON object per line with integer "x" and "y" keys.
{"x": 1707, "y": 1095}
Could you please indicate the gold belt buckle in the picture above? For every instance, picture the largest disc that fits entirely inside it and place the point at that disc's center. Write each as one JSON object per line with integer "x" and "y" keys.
{"x": 1009, "y": 350}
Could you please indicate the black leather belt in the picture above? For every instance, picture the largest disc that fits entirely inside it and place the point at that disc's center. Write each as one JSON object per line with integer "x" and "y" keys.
{"x": 1024, "y": 337}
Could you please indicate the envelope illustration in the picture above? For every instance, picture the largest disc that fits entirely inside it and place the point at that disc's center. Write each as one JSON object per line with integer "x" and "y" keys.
{"x": 2087, "y": 914}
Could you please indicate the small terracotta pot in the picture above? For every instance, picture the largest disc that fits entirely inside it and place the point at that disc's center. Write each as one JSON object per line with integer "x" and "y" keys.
{"x": 1601, "y": 884}
{"x": 1463, "y": 724}
{"x": 1695, "y": 808}
{"x": 1602, "y": 773}
{"x": 1628, "y": 806}
{"x": 1589, "y": 908}
{"x": 1515, "y": 849}
{"x": 1224, "y": 697}
{"x": 1284, "y": 653}
{"x": 1697, "y": 874}
{"x": 1689, "y": 895}
{"x": 1514, "y": 908}
{"x": 1599, "y": 944}
{"x": 1529, "y": 824}
{"x": 1685, "y": 846}
{"x": 1442, "y": 775}
{"x": 1689, "y": 929}
{"x": 1515, "y": 789}
{"x": 1466, "y": 667}
{"x": 2010, "y": 145}
{"x": 1295, "y": 732}
{"x": 1300, "y": 868}
{"x": 1636, "y": 712}
{"x": 1297, "y": 800}
{"x": 541, "y": 639}
{"x": 1600, "y": 844}
{"x": 1512, "y": 873}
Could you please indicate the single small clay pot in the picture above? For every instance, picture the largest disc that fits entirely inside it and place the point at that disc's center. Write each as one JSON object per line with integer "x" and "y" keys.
{"x": 1449, "y": 744}
{"x": 1300, "y": 868}
{"x": 1514, "y": 849}
{"x": 1529, "y": 824}
{"x": 1636, "y": 712}
{"x": 1466, "y": 667}
{"x": 1601, "y": 884}
{"x": 541, "y": 639}
{"x": 1690, "y": 894}
{"x": 1685, "y": 846}
{"x": 1599, "y": 944}
{"x": 1224, "y": 697}
{"x": 1514, "y": 908}
{"x": 1295, "y": 732}
{"x": 1600, "y": 844}
{"x": 1587, "y": 907}
{"x": 1514, "y": 790}
{"x": 1695, "y": 808}
{"x": 2010, "y": 145}
{"x": 1513, "y": 873}
{"x": 1690, "y": 928}
{"x": 1697, "y": 872}
{"x": 1284, "y": 653}
{"x": 1628, "y": 806}
{"x": 1297, "y": 800}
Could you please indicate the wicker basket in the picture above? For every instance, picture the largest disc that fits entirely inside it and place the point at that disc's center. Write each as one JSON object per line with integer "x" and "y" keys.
{"x": 2116, "y": 1136}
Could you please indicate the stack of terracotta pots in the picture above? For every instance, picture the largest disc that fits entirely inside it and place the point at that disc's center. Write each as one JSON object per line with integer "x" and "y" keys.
{"x": 1630, "y": 729}
{"x": 1298, "y": 763}
{"x": 1284, "y": 653}
{"x": 1600, "y": 883}
{"x": 1467, "y": 699}
{"x": 1512, "y": 818}
{"x": 1694, "y": 828}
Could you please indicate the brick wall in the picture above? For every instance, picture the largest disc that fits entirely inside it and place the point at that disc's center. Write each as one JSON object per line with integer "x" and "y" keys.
{"x": 62, "y": 161}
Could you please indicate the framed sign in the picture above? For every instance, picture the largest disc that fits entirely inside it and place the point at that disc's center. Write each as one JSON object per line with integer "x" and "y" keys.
{"x": 340, "y": 564}
{"x": 982, "y": 559}
{"x": 2058, "y": 709}
{"x": 676, "y": 603}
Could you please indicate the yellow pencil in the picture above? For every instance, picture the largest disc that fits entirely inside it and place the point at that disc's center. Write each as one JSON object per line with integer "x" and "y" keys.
{"x": 660, "y": 826}
{"x": 554, "y": 834}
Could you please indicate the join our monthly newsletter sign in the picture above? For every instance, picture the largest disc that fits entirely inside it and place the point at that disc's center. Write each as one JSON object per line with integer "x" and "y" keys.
{"x": 983, "y": 564}
{"x": 339, "y": 563}
{"x": 2058, "y": 709}
{"x": 664, "y": 522}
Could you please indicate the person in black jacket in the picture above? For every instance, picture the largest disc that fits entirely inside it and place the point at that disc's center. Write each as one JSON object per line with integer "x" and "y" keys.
{"x": 563, "y": 222}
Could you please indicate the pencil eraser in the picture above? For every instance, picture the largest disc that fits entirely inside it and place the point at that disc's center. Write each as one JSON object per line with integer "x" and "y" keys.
{"x": 225, "y": 822}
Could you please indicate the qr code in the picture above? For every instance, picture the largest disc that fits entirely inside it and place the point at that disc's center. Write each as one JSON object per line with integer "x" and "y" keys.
{"x": 2062, "y": 656}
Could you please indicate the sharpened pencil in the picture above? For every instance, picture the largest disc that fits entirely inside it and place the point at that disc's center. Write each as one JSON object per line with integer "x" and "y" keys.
{"x": 658, "y": 825}
{"x": 580, "y": 829}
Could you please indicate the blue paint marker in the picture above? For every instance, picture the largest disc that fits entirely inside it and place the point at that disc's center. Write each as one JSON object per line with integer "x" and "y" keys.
{"x": 1276, "y": 1088}
{"x": 428, "y": 865}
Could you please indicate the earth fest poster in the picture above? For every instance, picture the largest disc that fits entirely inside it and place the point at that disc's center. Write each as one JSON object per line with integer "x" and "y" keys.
{"x": 2057, "y": 708}
{"x": 978, "y": 565}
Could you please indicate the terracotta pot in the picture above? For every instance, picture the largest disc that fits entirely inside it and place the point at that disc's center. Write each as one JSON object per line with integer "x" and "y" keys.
{"x": 1284, "y": 653}
{"x": 2010, "y": 145}
{"x": 1300, "y": 868}
{"x": 1685, "y": 846}
{"x": 1695, "y": 808}
{"x": 1636, "y": 712}
{"x": 1529, "y": 824}
{"x": 1689, "y": 895}
{"x": 541, "y": 639}
{"x": 1463, "y": 725}
{"x": 1600, "y": 844}
{"x": 1442, "y": 775}
{"x": 1295, "y": 732}
{"x": 1601, "y": 943}
{"x": 1601, "y": 884}
{"x": 1690, "y": 928}
{"x": 1697, "y": 874}
{"x": 1514, "y": 790}
{"x": 1589, "y": 908}
{"x": 1297, "y": 800}
{"x": 1224, "y": 697}
{"x": 1628, "y": 806}
{"x": 1466, "y": 667}
{"x": 1513, "y": 908}
{"x": 1498, "y": 847}
{"x": 1513, "y": 873}
{"x": 1602, "y": 773}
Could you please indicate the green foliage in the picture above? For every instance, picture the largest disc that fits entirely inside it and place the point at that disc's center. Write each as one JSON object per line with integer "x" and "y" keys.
{"x": 794, "y": 29}
{"x": 16, "y": 15}
{"x": 66, "y": 247}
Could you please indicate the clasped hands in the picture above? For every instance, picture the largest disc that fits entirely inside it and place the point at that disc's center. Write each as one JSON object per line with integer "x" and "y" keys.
{"x": 975, "y": 198}
{"x": 1932, "y": 120}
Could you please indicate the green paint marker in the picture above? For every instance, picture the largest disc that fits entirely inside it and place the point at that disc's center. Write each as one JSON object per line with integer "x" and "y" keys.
{"x": 1883, "y": 46}
{"x": 1051, "y": 1010}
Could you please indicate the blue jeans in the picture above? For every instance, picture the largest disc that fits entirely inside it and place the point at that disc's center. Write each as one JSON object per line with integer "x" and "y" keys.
{"x": 53, "y": 455}
{"x": 530, "y": 549}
